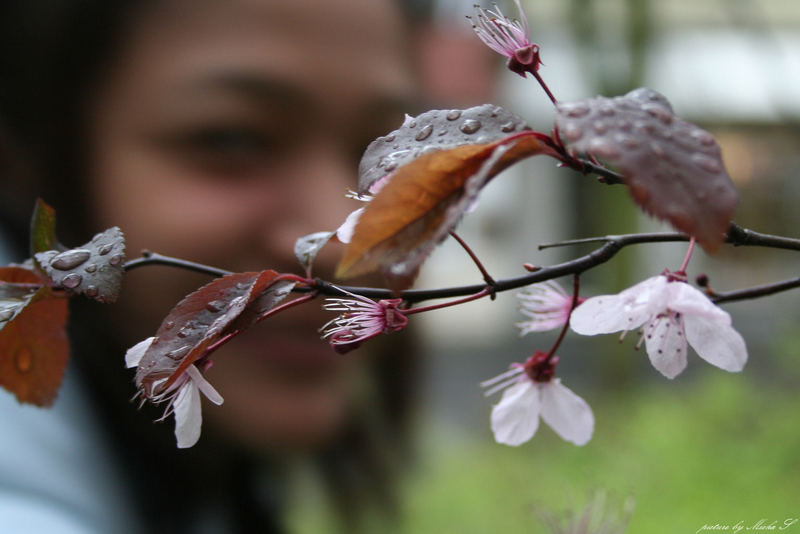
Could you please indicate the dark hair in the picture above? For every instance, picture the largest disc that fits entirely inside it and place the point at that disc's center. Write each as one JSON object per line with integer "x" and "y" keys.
{"x": 51, "y": 54}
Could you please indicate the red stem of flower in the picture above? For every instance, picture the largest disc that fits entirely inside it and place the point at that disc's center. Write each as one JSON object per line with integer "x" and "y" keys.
{"x": 688, "y": 256}
{"x": 486, "y": 277}
{"x": 544, "y": 86}
{"x": 483, "y": 293}
{"x": 287, "y": 305}
{"x": 576, "y": 288}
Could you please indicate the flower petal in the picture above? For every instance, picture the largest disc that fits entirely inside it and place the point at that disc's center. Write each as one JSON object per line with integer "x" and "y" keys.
{"x": 666, "y": 345}
{"x": 716, "y": 343}
{"x": 516, "y": 417}
{"x": 566, "y": 413}
{"x": 689, "y": 300}
{"x": 345, "y": 232}
{"x": 628, "y": 310}
{"x": 134, "y": 354}
{"x": 188, "y": 415}
{"x": 204, "y": 385}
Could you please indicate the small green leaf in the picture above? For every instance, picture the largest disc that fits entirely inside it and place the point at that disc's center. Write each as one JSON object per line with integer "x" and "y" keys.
{"x": 43, "y": 228}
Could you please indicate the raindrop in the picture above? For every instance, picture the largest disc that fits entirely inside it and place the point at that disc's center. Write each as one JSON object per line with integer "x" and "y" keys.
{"x": 453, "y": 114}
{"x": 389, "y": 138}
{"x": 105, "y": 249}
{"x": 92, "y": 267}
{"x": 470, "y": 126}
{"x": 604, "y": 148}
{"x": 658, "y": 112}
{"x": 71, "y": 281}
{"x": 169, "y": 325}
{"x": 600, "y": 127}
{"x": 510, "y": 126}
{"x": 70, "y": 259}
{"x": 572, "y": 131}
{"x": 706, "y": 163}
{"x": 115, "y": 259}
{"x": 482, "y": 140}
{"x": 424, "y": 133}
{"x": 497, "y": 111}
{"x": 412, "y": 124}
{"x": 245, "y": 285}
{"x": 23, "y": 360}
{"x": 179, "y": 353}
{"x": 391, "y": 167}
{"x": 215, "y": 306}
{"x": 703, "y": 137}
{"x": 92, "y": 291}
{"x": 442, "y": 132}
{"x": 574, "y": 110}
{"x": 185, "y": 331}
{"x": 6, "y": 314}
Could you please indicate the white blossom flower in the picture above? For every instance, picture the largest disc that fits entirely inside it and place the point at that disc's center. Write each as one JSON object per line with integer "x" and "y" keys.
{"x": 515, "y": 418}
{"x": 507, "y": 37}
{"x": 673, "y": 314}
{"x": 182, "y": 396}
{"x": 362, "y": 319}
{"x": 547, "y": 305}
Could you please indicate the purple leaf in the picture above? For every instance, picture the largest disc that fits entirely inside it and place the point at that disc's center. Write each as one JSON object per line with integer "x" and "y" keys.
{"x": 94, "y": 269}
{"x": 673, "y": 169}
{"x": 436, "y": 129}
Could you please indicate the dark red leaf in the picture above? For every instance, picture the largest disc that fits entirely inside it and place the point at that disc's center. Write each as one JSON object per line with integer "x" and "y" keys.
{"x": 673, "y": 169}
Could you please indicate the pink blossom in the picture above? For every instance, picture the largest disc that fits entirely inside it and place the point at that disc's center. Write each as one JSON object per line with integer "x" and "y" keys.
{"x": 508, "y": 37}
{"x": 547, "y": 305}
{"x": 182, "y": 396}
{"x": 674, "y": 314}
{"x": 362, "y": 319}
{"x": 530, "y": 392}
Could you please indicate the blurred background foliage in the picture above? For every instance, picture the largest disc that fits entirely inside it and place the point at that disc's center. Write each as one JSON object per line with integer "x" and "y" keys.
{"x": 708, "y": 447}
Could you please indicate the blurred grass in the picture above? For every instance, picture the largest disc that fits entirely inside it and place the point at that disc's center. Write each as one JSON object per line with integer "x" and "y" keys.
{"x": 720, "y": 448}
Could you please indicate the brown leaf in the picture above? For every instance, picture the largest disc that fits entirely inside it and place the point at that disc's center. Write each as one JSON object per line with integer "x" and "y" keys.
{"x": 422, "y": 202}
{"x": 199, "y": 320}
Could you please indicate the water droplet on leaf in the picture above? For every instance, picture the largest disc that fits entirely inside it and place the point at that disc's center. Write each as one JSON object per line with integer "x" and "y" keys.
{"x": 424, "y": 133}
{"x": 92, "y": 267}
{"x": 470, "y": 126}
{"x": 453, "y": 114}
{"x": 91, "y": 291}
{"x": 70, "y": 259}
{"x": 185, "y": 331}
{"x": 215, "y": 306}
{"x": 179, "y": 353}
{"x": 115, "y": 259}
{"x": 71, "y": 281}
{"x": 105, "y": 249}
{"x": 5, "y": 315}
{"x": 510, "y": 126}
{"x": 600, "y": 146}
{"x": 573, "y": 132}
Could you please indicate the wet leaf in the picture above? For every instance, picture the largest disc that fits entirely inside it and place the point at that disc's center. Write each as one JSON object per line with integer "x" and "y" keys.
{"x": 43, "y": 228}
{"x": 18, "y": 288}
{"x": 307, "y": 247}
{"x": 673, "y": 169}
{"x": 94, "y": 269}
{"x": 421, "y": 203}
{"x": 33, "y": 343}
{"x": 437, "y": 129}
{"x": 199, "y": 320}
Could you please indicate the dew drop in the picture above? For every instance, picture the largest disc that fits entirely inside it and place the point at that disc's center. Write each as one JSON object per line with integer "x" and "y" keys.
{"x": 441, "y": 133}
{"x": 574, "y": 110}
{"x": 179, "y": 353}
{"x": 390, "y": 167}
{"x": 604, "y": 148}
{"x": 706, "y": 163}
{"x": 470, "y": 126}
{"x": 572, "y": 131}
{"x": 185, "y": 331}
{"x": 115, "y": 259}
{"x": 105, "y": 249}
{"x": 703, "y": 137}
{"x": 169, "y": 325}
{"x": 424, "y": 133}
{"x": 412, "y": 124}
{"x": 389, "y": 138}
{"x": 71, "y": 281}
{"x": 215, "y": 306}
{"x": 510, "y": 126}
{"x": 23, "y": 360}
{"x": 70, "y": 259}
{"x": 453, "y": 114}
{"x": 245, "y": 285}
{"x": 92, "y": 267}
{"x": 6, "y": 314}
{"x": 659, "y": 112}
{"x": 92, "y": 291}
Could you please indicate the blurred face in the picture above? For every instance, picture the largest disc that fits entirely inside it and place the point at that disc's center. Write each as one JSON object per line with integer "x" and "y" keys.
{"x": 223, "y": 132}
